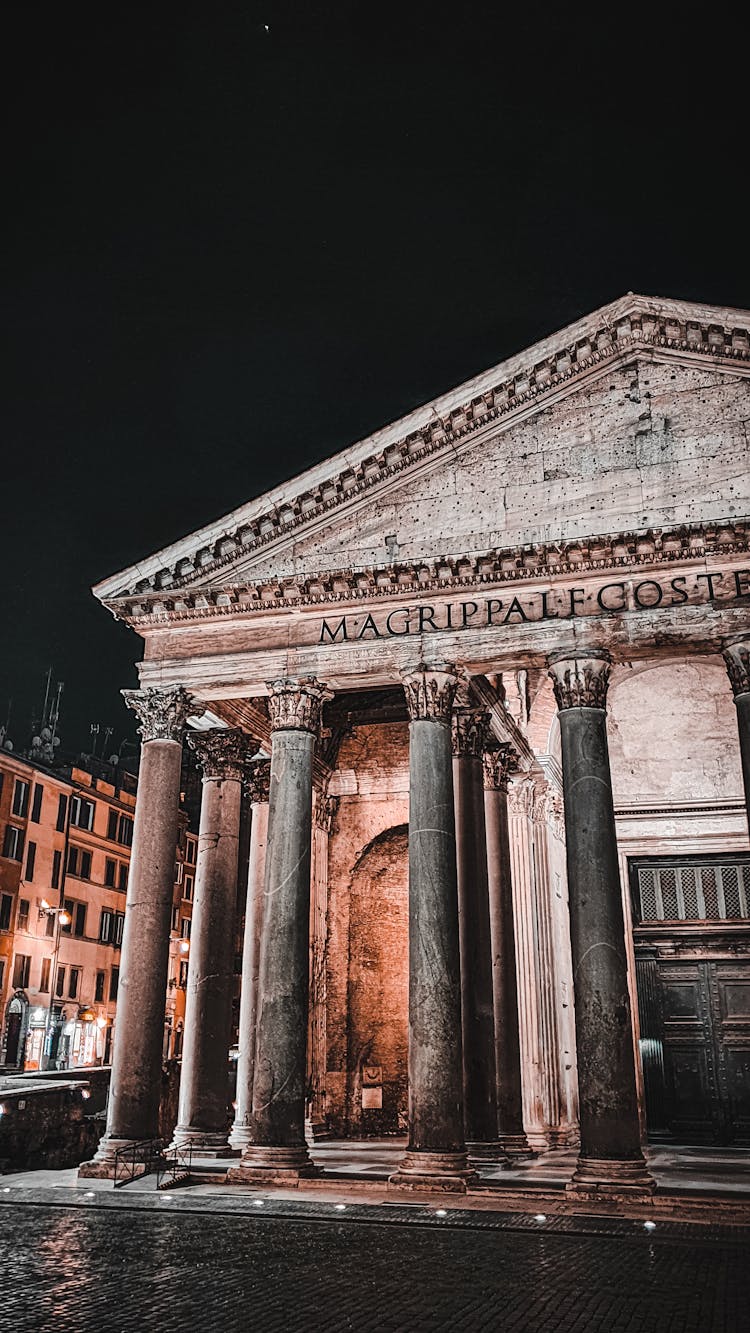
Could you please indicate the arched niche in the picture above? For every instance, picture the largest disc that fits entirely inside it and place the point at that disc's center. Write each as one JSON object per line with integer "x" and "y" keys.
{"x": 378, "y": 986}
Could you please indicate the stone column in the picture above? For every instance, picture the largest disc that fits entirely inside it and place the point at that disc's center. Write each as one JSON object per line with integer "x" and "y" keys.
{"x": 278, "y": 1151}
{"x": 258, "y": 781}
{"x": 497, "y": 765}
{"x": 135, "y": 1085}
{"x": 204, "y": 1078}
{"x": 317, "y": 1050}
{"x": 737, "y": 658}
{"x": 610, "y": 1159}
{"x": 436, "y": 1156}
{"x": 470, "y": 731}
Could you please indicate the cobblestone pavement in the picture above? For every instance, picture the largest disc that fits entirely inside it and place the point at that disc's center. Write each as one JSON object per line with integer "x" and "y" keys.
{"x": 78, "y": 1269}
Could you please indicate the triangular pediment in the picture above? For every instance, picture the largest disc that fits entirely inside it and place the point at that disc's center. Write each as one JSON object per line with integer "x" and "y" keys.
{"x": 573, "y": 437}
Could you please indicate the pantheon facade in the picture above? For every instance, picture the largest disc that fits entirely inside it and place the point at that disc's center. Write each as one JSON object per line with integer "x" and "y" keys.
{"x": 483, "y": 682}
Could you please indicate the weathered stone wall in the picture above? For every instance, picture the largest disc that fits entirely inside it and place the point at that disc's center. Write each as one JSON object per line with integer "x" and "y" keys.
{"x": 649, "y": 445}
{"x": 46, "y": 1126}
{"x": 672, "y": 732}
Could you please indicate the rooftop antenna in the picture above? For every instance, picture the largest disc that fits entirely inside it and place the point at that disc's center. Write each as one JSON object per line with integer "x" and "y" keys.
{"x": 54, "y": 714}
{"x": 47, "y": 689}
{"x": 94, "y": 729}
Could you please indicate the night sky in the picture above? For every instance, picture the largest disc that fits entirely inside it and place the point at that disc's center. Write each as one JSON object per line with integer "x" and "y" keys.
{"x": 229, "y": 251}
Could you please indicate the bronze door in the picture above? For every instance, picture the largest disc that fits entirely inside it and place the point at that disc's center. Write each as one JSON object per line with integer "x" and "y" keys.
{"x": 695, "y": 1048}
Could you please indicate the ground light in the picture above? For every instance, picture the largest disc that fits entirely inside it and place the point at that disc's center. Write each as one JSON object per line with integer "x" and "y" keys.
{"x": 649, "y": 1226}
{"x": 258, "y": 1202}
{"x": 339, "y": 1207}
{"x": 540, "y": 1217}
{"x": 441, "y": 1212}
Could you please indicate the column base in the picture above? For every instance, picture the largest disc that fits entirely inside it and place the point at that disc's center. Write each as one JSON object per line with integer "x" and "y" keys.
{"x": 204, "y": 1142}
{"x": 600, "y": 1178}
{"x": 516, "y": 1146}
{"x": 487, "y": 1153}
{"x": 240, "y": 1137}
{"x": 442, "y": 1172}
{"x": 263, "y": 1164}
{"x": 102, "y": 1164}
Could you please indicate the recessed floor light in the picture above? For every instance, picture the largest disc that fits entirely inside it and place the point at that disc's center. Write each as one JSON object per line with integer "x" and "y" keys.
{"x": 540, "y": 1217}
{"x": 339, "y": 1207}
{"x": 441, "y": 1212}
{"x": 649, "y": 1226}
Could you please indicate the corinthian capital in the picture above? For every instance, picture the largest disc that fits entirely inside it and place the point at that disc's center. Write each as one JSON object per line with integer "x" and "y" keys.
{"x": 470, "y": 729}
{"x": 430, "y": 692}
{"x": 737, "y": 658}
{"x": 258, "y": 781}
{"x": 498, "y": 764}
{"x": 163, "y": 713}
{"x": 581, "y": 682}
{"x": 295, "y": 705}
{"x": 221, "y": 752}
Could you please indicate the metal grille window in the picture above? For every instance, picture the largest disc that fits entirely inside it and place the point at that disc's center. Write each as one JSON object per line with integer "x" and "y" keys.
{"x": 701, "y": 890}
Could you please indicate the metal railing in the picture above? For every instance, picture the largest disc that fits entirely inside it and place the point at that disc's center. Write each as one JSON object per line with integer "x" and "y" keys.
{"x": 137, "y": 1159}
{"x": 175, "y": 1166}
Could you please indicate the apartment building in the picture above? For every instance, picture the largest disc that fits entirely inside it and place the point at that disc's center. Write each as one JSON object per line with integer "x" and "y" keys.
{"x": 65, "y": 840}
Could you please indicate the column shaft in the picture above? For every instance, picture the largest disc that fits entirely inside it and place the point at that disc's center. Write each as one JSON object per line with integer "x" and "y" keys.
{"x": 477, "y": 1014}
{"x": 611, "y": 1157}
{"x": 503, "y": 940}
{"x": 204, "y": 1079}
{"x": 278, "y": 1148}
{"x": 241, "y": 1130}
{"x": 135, "y": 1086}
{"x": 437, "y": 1151}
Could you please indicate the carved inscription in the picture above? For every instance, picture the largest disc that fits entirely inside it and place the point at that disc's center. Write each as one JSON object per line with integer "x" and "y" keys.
{"x": 529, "y": 604}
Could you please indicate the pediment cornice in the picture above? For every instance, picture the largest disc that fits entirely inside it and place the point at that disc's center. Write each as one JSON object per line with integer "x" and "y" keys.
{"x": 635, "y": 325}
{"x": 624, "y": 550}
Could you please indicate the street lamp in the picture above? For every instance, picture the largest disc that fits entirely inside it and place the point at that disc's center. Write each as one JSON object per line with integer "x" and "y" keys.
{"x": 63, "y": 918}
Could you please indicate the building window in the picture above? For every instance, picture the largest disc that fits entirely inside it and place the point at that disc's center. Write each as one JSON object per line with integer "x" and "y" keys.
{"x": 122, "y": 877}
{"x": 185, "y": 927}
{"x": 23, "y": 913}
{"x": 56, "y": 867}
{"x": 21, "y": 969}
{"x": 175, "y": 918}
{"x": 36, "y": 804}
{"x": 30, "y": 859}
{"x": 2, "y": 967}
{"x": 114, "y": 980}
{"x": 190, "y": 849}
{"x": 6, "y": 907}
{"x": 79, "y": 862}
{"x": 105, "y": 925}
{"x": 68, "y": 905}
{"x": 183, "y": 974}
{"x": 178, "y": 872}
{"x": 73, "y": 979}
{"x": 60, "y": 981}
{"x": 44, "y": 975}
{"x": 110, "y": 870}
{"x": 79, "y": 920}
{"x": 125, "y": 830}
{"x": 99, "y": 987}
{"x": 13, "y": 843}
{"x": 62, "y": 810}
{"x": 111, "y": 926}
{"x": 112, "y": 826}
{"x": 49, "y": 928}
{"x": 82, "y": 812}
{"x": 20, "y": 804}
{"x": 187, "y": 889}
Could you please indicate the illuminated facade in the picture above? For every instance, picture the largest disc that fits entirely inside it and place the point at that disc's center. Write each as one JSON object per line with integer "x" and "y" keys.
{"x": 488, "y": 672}
{"x": 65, "y": 844}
